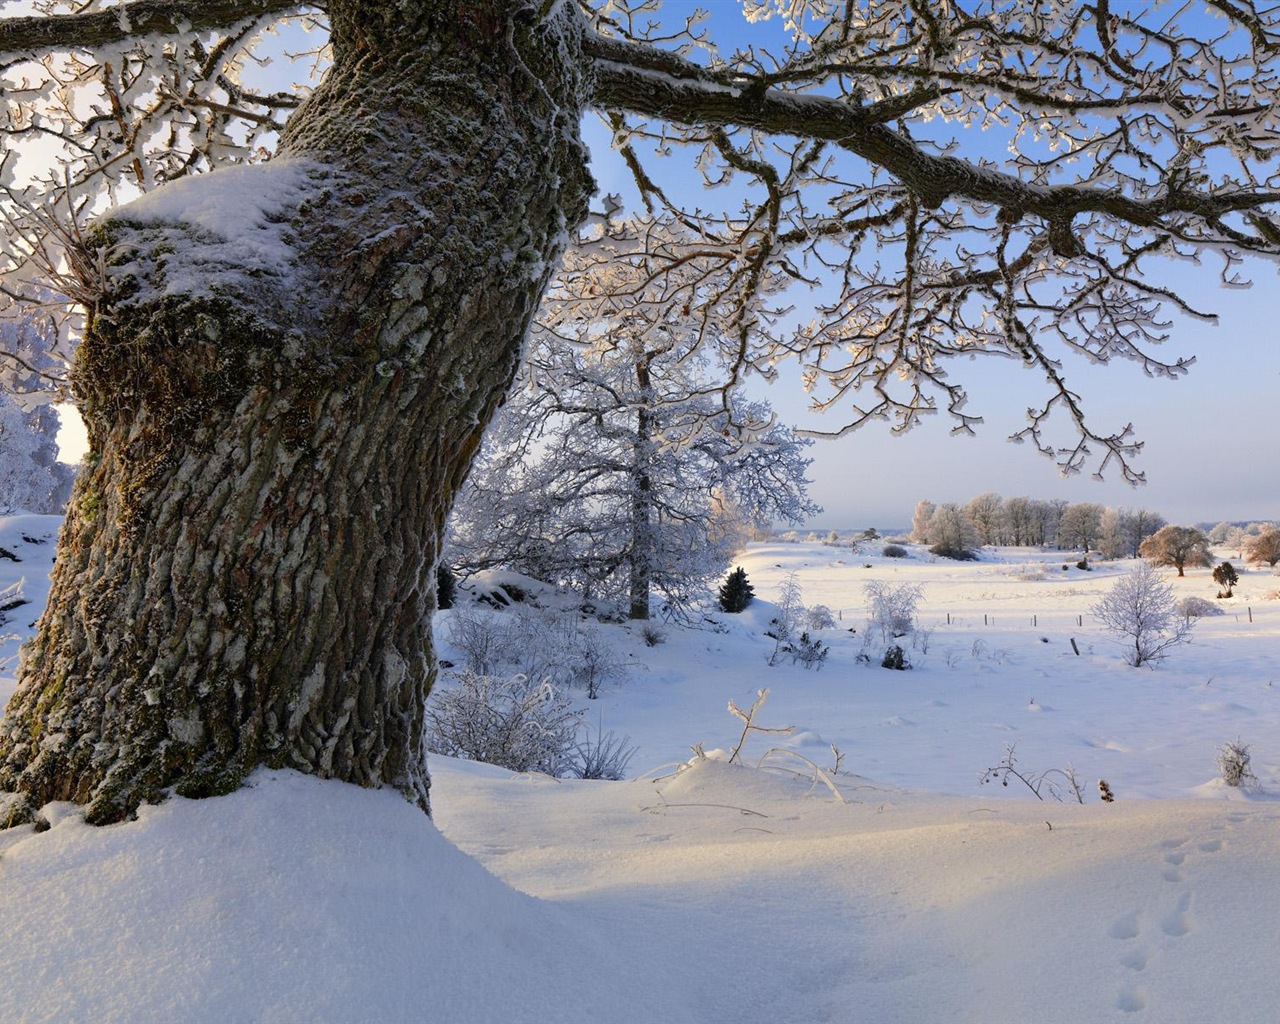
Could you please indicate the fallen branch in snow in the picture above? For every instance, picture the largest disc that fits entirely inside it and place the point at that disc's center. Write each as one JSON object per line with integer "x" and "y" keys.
{"x": 664, "y": 805}
{"x": 819, "y": 775}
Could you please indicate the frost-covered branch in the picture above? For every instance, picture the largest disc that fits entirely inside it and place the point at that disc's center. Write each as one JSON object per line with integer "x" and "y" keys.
{"x": 127, "y": 21}
{"x": 971, "y": 178}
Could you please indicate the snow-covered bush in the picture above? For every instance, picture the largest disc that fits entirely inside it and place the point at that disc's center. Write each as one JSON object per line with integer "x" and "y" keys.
{"x": 479, "y": 636}
{"x": 891, "y": 608}
{"x": 592, "y": 660}
{"x": 1141, "y": 615}
{"x": 514, "y": 722}
{"x": 821, "y": 617}
{"x": 1233, "y": 762}
{"x": 894, "y": 551}
{"x": 1197, "y": 607}
{"x": 786, "y": 626}
{"x": 538, "y": 643}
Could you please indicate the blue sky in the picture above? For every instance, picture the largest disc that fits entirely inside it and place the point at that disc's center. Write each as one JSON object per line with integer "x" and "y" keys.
{"x": 1211, "y": 442}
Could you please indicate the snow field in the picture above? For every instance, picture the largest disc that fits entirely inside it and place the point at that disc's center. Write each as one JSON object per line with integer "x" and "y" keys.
{"x": 1151, "y": 732}
{"x": 720, "y": 892}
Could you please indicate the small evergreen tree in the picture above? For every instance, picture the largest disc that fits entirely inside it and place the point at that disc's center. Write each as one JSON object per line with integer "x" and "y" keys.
{"x": 1226, "y": 577}
{"x": 736, "y": 592}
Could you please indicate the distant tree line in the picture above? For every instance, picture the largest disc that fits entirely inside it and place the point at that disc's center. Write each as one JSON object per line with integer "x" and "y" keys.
{"x": 989, "y": 519}
{"x": 955, "y": 530}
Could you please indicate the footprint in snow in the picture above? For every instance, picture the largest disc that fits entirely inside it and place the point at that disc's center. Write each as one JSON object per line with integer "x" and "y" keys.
{"x": 1125, "y": 926}
{"x": 1178, "y": 923}
{"x": 1135, "y": 960}
{"x": 1131, "y": 999}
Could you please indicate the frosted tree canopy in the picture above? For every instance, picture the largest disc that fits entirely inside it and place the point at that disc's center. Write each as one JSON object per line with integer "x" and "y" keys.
{"x": 890, "y": 184}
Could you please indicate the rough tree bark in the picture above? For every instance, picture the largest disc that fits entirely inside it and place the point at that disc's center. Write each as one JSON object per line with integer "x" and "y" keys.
{"x": 640, "y": 557}
{"x": 246, "y": 573}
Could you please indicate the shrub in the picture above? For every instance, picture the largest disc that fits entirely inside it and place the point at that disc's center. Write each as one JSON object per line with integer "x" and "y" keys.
{"x": 1226, "y": 577}
{"x": 821, "y": 617}
{"x": 954, "y": 553}
{"x": 1197, "y": 607}
{"x": 894, "y": 551}
{"x": 513, "y": 723}
{"x": 1233, "y": 762}
{"x": 896, "y": 658}
{"x": 592, "y": 660}
{"x": 892, "y": 608}
{"x": 789, "y": 621}
{"x": 1140, "y": 613}
{"x": 604, "y": 757}
{"x": 652, "y": 636}
{"x": 542, "y": 645}
{"x": 479, "y": 636}
{"x": 446, "y": 587}
{"x": 736, "y": 592}
{"x": 809, "y": 652}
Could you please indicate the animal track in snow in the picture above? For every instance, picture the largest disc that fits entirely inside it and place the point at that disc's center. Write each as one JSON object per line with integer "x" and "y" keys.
{"x": 1131, "y": 999}
{"x": 1135, "y": 960}
{"x": 1178, "y": 923}
{"x": 1125, "y": 926}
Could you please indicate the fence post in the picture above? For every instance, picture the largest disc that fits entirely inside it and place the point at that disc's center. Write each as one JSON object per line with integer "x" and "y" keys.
{"x": 1074, "y": 647}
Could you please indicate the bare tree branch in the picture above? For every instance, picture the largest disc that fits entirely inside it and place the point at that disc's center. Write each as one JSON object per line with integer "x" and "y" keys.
{"x": 629, "y": 77}
{"x": 130, "y": 21}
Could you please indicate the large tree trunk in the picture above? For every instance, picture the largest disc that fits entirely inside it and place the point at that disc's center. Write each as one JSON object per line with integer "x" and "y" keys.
{"x": 246, "y": 574}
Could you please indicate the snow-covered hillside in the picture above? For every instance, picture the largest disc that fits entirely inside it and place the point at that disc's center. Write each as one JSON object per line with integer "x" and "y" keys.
{"x": 722, "y": 892}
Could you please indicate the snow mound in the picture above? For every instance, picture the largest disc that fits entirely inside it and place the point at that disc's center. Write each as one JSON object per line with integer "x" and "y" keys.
{"x": 294, "y": 899}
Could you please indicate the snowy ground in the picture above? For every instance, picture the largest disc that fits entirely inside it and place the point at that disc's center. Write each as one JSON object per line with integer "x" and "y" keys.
{"x": 726, "y": 893}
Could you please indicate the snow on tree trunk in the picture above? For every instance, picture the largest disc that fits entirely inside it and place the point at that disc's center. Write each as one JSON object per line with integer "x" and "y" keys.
{"x": 246, "y": 574}
{"x": 641, "y": 556}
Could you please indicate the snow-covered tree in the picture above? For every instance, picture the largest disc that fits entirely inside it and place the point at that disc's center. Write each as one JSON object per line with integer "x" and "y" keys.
{"x": 1138, "y": 524}
{"x": 1080, "y": 525}
{"x": 31, "y": 477}
{"x": 1111, "y": 533}
{"x": 920, "y": 520}
{"x": 616, "y": 468}
{"x": 286, "y": 366}
{"x": 1019, "y": 519}
{"x": 1140, "y": 612}
{"x": 1265, "y": 547}
{"x": 1178, "y": 546}
{"x": 986, "y": 513}
{"x": 951, "y": 535}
